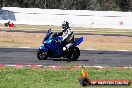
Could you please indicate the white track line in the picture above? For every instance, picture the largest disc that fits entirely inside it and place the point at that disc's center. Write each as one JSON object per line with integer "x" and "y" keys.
{"x": 56, "y": 67}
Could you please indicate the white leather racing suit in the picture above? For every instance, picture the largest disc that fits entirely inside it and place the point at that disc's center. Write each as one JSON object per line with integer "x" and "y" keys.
{"x": 68, "y": 37}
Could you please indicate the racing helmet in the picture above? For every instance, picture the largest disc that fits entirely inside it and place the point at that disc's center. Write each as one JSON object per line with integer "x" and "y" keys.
{"x": 65, "y": 25}
{"x": 49, "y": 31}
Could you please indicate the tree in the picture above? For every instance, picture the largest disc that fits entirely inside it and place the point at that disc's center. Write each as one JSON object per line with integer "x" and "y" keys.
{"x": 130, "y": 5}
{"x": 77, "y": 4}
{"x": 108, "y": 5}
{"x": 93, "y": 5}
{"x": 53, "y": 4}
{"x": 66, "y": 4}
{"x": 116, "y": 5}
{"x": 123, "y": 4}
{"x": 1, "y": 3}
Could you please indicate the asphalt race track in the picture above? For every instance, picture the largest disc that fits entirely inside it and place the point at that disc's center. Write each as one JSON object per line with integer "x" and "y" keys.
{"x": 87, "y": 57}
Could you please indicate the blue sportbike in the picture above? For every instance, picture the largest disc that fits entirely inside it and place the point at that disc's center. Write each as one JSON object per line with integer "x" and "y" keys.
{"x": 53, "y": 48}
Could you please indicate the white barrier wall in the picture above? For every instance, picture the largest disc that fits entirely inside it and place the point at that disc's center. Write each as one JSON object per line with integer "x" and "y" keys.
{"x": 78, "y": 18}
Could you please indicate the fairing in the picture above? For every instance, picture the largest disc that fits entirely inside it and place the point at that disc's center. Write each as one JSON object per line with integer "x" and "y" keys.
{"x": 77, "y": 42}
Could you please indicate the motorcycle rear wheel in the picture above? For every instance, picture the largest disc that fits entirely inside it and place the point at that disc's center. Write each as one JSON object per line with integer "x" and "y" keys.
{"x": 42, "y": 55}
{"x": 73, "y": 54}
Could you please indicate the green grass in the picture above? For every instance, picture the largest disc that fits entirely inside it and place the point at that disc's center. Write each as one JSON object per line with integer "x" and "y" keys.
{"x": 57, "y": 78}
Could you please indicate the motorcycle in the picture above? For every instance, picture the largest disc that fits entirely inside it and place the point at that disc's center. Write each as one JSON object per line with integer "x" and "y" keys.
{"x": 9, "y": 24}
{"x": 53, "y": 48}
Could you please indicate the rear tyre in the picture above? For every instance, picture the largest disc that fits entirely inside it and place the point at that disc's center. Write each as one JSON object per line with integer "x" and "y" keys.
{"x": 74, "y": 54}
{"x": 42, "y": 55}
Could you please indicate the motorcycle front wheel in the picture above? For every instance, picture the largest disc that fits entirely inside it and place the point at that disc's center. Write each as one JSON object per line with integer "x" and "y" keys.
{"x": 42, "y": 55}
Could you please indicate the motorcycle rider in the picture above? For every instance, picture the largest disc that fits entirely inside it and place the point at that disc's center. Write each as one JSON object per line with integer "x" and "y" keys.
{"x": 67, "y": 35}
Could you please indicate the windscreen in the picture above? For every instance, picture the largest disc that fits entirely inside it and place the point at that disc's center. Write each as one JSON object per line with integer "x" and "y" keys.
{"x": 48, "y": 35}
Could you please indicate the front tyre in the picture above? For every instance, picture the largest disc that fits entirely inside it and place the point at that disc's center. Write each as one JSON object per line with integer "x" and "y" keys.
{"x": 42, "y": 55}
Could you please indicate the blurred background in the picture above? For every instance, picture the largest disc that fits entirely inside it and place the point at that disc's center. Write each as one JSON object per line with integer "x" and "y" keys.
{"x": 100, "y": 5}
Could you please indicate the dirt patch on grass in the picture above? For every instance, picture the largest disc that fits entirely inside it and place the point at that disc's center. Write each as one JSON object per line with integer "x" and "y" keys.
{"x": 34, "y": 40}
{"x": 20, "y": 39}
{"x": 107, "y": 42}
